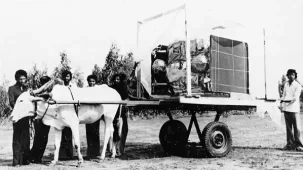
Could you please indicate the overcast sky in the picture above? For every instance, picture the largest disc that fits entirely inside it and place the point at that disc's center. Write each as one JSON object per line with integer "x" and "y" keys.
{"x": 36, "y": 31}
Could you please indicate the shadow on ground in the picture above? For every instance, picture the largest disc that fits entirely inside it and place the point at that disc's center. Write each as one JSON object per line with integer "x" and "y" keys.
{"x": 133, "y": 151}
{"x": 5, "y": 162}
{"x": 256, "y": 147}
{"x": 139, "y": 151}
{"x": 136, "y": 151}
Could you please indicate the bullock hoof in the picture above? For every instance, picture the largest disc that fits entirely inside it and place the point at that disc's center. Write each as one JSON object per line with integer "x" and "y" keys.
{"x": 53, "y": 163}
{"x": 99, "y": 160}
{"x": 113, "y": 159}
{"x": 79, "y": 164}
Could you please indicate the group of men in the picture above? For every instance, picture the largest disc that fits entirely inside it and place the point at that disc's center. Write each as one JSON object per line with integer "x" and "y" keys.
{"x": 290, "y": 92}
{"x": 23, "y": 155}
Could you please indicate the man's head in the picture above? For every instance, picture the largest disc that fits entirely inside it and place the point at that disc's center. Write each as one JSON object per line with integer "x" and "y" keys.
{"x": 44, "y": 79}
{"x": 91, "y": 80}
{"x": 291, "y": 74}
{"x": 118, "y": 78}
{"x": 21, "y": 77}
{"x": 66, "y": 76}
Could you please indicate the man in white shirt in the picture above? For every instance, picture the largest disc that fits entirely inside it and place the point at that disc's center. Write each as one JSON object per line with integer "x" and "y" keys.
{"x": 291, "y": 108}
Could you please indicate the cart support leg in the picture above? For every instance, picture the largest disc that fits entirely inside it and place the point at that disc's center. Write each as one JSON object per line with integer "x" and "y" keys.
{"x": 169, "y": 114}
{"x": 190, "y": 125}
{"x": 219, "y": 113}
{"x": 195, "y": 121}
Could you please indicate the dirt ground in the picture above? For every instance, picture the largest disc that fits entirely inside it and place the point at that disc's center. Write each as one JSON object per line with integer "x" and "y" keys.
{"x": 257, "y": 144}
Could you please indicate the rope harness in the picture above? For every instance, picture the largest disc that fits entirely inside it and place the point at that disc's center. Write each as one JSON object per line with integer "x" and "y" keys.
{"x": 76, "y": 106}
{"x": 31, "y": 123}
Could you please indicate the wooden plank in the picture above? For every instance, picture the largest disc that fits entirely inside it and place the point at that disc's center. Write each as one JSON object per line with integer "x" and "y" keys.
{"x": 128, "y": 103}
{"x": 217, "y": 101}
{"x": 86, "y": 102}
{"x": 142, "y": 102}
{"x": 208, "y": 101}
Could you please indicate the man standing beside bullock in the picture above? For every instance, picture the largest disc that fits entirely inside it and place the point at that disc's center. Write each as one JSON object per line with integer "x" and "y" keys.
{"x": 21, "y": 135}
{"x": 119, "y": 84}
{"x": 41, "y": 134}
{"x": 92, "y": 130}
{"x": 66, "y": 147}
{"x": 291, "y": 108}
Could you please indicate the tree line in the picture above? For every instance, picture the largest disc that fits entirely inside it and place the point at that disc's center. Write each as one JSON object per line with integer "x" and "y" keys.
{"x": 115, "y": 62}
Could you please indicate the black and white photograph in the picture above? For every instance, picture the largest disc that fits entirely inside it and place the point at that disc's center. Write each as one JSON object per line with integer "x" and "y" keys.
{"x": 150, "y": 84}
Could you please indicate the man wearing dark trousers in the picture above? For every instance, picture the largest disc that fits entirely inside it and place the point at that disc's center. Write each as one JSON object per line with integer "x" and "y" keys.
{"x": 291, "y": 108}
{"x": 41, "y": 134}
{"x": 119, "y": 84}
{"x": 21, "y": 136}
{"x": 92, "y": 130}
{"x": 66, "y": 147}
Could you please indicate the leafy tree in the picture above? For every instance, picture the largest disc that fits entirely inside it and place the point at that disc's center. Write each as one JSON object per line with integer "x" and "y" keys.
{"x": 111, "y": 65}
{"x": 78, "y": 77}
{"x": 117, "y": 63}
{"x": 127, "y": 63}
{"x": 34, "y": 76}
{"x": 65, "y": 65}
{"x": 97, "y": 71}
{"x": 5, "y": 82}
{"x": 5, "y": 108}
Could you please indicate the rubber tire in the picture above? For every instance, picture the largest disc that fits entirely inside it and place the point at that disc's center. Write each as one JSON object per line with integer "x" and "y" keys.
{"x": 173, "y": 137}
{"x": 221, "y": 132}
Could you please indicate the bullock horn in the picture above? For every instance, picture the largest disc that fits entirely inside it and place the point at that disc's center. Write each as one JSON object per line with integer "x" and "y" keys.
{"x": 58, "y": 81}
{"x": 36, "y": 99}
{"x": 48, "y": 85}
{"x": 44, "y": 95}
{"x": 44, "y": 87}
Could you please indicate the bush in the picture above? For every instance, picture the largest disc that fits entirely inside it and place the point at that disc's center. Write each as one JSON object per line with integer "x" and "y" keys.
{"x": 5, "y": 109}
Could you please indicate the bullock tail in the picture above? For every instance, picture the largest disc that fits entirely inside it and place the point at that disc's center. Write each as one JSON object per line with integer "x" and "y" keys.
{"x": 32, "y": 128}
{"x": 118, "y": 124}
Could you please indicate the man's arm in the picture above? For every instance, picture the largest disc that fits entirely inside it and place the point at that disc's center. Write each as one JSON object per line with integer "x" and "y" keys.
{"x": 11, "y": 97}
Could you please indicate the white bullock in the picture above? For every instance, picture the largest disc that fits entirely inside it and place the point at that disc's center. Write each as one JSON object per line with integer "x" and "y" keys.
{"x": 64, "y": 115}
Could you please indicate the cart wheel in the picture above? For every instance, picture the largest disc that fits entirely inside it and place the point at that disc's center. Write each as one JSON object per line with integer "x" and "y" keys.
{"x": 217, "y": 139}
{"x": 173, "y": 137}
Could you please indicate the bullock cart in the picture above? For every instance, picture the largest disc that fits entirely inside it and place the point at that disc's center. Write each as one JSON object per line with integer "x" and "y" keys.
{"x": 215, "y": 138}
{"x": 217, "y": 67}
{"x": 172, "y": 73}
